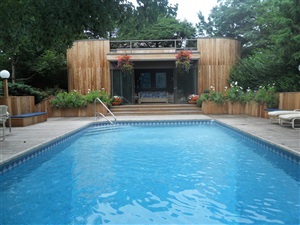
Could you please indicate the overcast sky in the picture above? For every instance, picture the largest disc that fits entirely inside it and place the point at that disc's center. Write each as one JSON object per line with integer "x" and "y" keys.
{"x": 188, "y": 9}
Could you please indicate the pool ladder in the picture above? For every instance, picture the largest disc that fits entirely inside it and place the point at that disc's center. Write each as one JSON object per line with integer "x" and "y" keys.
{"x": 97, "y": 114}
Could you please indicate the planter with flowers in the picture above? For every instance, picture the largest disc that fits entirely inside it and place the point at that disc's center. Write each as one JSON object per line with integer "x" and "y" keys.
{"x": 183, "y": 62}
{"x": 75, "y": 104}
{"x": 192, "y": 99}
{"x": 116, "y": 100}
{"x": 125, "y": 65}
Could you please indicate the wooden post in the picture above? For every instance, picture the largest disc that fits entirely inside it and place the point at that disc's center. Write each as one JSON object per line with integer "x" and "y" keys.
{"x": 5, "y": 87}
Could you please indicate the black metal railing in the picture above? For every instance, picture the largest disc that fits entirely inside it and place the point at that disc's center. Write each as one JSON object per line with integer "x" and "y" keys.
{"x": 187, "y": 44}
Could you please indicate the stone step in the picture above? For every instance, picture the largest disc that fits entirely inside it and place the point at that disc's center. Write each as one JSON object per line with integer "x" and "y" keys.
{"x": 155, "y": 109}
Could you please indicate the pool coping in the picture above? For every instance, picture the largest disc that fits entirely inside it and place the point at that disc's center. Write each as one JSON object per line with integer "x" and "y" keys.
{"x": 24, "y": 156}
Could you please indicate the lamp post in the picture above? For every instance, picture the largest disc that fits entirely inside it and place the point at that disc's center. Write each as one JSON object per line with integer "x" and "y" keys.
{"x": 4, "y": 74}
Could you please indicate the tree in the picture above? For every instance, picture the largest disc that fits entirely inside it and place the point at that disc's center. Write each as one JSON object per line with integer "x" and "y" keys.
{"x": 165, "y": 28}
{"x": 269, "y": 31}
{"x": 30, "y": 28}
{"x": 234, "y": 19}
{"x": 142, "y": 18}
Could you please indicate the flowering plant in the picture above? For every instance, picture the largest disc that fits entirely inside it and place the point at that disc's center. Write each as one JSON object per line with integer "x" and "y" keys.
{"x": 193, "y": 97}
{"x": 183, "y": 61}
{"x": 116, "y": 98}
{"x": 124, "y": 64}
{"x": 267, "y": 95}
{"x": 235, "y": 93}
{"x": 212, "y": 95}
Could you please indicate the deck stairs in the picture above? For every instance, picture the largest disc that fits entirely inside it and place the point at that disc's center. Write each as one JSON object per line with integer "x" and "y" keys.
{"x": 155, "y": 109}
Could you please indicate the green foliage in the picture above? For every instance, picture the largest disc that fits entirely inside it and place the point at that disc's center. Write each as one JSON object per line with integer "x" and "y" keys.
{"x": 164, "y": 28}
{"x": 217, "y": 97}
{"x": 18, "y": 89}
{"x": 68, "y": 100}
{"x": 269, "y": 33}
{"x": 248, "y": 96}
{"x": 235, "y": 93}
{"x": 199, "y": 102}
{"x": 29, "y": 29}
{"x": 143, "y": 24}
{"x": 74, "y": 99}
{"x": 267, "y": 95}
{"x": 49, "y": 63}
{"x": 102, "y": 95}
{"x": 264, "y": 95}
{"x": 263, "y": 67}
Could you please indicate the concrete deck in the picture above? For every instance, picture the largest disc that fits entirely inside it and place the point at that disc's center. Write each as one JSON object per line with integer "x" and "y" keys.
{"x": 24, "y": 139}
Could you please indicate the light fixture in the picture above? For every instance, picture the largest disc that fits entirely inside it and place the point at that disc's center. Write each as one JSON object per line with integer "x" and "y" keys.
{"x": 4, "y": 74}
{"x": 299, "y": 67}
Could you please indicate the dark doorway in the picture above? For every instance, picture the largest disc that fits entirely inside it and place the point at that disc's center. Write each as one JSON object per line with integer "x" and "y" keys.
{"x": 154, "y": 80}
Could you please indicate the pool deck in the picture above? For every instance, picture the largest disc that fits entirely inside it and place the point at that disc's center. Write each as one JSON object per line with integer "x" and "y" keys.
{"x": 25, "y": 139}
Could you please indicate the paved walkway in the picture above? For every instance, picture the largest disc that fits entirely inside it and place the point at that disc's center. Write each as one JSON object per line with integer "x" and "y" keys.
{"x": 24, "y": 139}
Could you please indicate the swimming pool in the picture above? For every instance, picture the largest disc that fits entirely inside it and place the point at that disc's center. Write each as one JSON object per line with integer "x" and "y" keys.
{"x": 154, "y": 173}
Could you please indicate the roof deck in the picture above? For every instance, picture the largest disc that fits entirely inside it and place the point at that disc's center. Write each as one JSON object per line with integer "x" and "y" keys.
{"x": 153, "y": 50}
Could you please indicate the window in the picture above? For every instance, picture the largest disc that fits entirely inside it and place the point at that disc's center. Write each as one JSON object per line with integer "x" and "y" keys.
{"x": 161, "y": 80}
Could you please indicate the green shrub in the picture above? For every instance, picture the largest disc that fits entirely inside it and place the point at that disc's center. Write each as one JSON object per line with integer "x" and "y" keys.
{"x": 101, "y": 94}
{"x": 69, "y": 100}
{"x": 18, "y": 89}
{"x": 213, "y": 96}
{"x": 248, "y": 96}
{"x": 76, "y": 100}
{"x": 267, "y": 95}
{"x": 235, "y": 93}
{"x": 199, "y": 102}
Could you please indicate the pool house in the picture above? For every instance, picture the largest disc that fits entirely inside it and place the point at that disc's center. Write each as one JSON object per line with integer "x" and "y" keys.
{"x": 92, "y": 65}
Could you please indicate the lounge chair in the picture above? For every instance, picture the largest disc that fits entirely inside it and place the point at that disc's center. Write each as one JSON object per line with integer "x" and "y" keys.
{"x": 290, "y": 119}
{"x": 4, "y": 116}
{"x": 274, "y": 115}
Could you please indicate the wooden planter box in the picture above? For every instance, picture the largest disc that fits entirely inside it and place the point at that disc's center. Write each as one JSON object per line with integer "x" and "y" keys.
{"x": 235, "y": 108}
{"x": 80, "y": 112}
{"x": 213, "y": 108}
{"x": 255, "y": 109}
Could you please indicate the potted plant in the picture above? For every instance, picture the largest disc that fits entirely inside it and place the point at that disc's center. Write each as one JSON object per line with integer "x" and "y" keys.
{"x": 116, "y": 100}
{"x": 192, "y": 99}
{"x": 125, "y": 65}
{"x": 183, "y": 62}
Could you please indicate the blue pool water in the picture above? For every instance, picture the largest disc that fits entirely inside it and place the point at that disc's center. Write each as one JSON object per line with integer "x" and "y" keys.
{"x": 154, "y": 174}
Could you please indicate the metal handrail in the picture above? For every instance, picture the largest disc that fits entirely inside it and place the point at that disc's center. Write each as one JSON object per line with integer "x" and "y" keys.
{"x": 95, "y": 111}
{"x": 154, "y": 44}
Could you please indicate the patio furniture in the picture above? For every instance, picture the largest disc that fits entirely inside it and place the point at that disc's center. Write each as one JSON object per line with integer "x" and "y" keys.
{"x": 4, "y": 116}
{"x": 153, "y": 97}
{"x": 27, "y": 119}
{"x": 290, "y": 119}
{"x": 274, "y": 115}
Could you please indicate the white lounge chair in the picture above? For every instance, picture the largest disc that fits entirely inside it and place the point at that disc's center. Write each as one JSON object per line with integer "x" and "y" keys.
{"x": 290, "y": 119}
{"x": 274, "y": 115}
{"x": 4, "y": 116}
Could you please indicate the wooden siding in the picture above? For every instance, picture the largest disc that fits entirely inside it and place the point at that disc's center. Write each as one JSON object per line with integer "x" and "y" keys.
{"x": 19, "y": 104}
{"x": 88, "y": 67}
{"x": 218, "y": 55}
{"x": 289, "y": 100}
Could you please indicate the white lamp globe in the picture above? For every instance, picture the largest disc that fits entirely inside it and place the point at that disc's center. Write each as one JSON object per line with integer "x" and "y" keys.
{"x": 4, "y": 74}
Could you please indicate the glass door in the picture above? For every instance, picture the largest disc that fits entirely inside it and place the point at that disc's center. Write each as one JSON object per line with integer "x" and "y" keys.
{"x": 185, "y": 84}
{"x": 122, "y": 85}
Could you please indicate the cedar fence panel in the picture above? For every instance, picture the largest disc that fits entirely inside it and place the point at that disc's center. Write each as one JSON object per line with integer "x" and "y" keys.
{"x": 19, "y": 104}
{"x": 218, "y": 55}
{"x": 88, "y": 67}
{"x": 289, "y": 100}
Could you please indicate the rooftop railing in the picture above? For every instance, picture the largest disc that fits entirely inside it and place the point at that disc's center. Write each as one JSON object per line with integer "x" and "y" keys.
{"x": 186, "y": 44}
